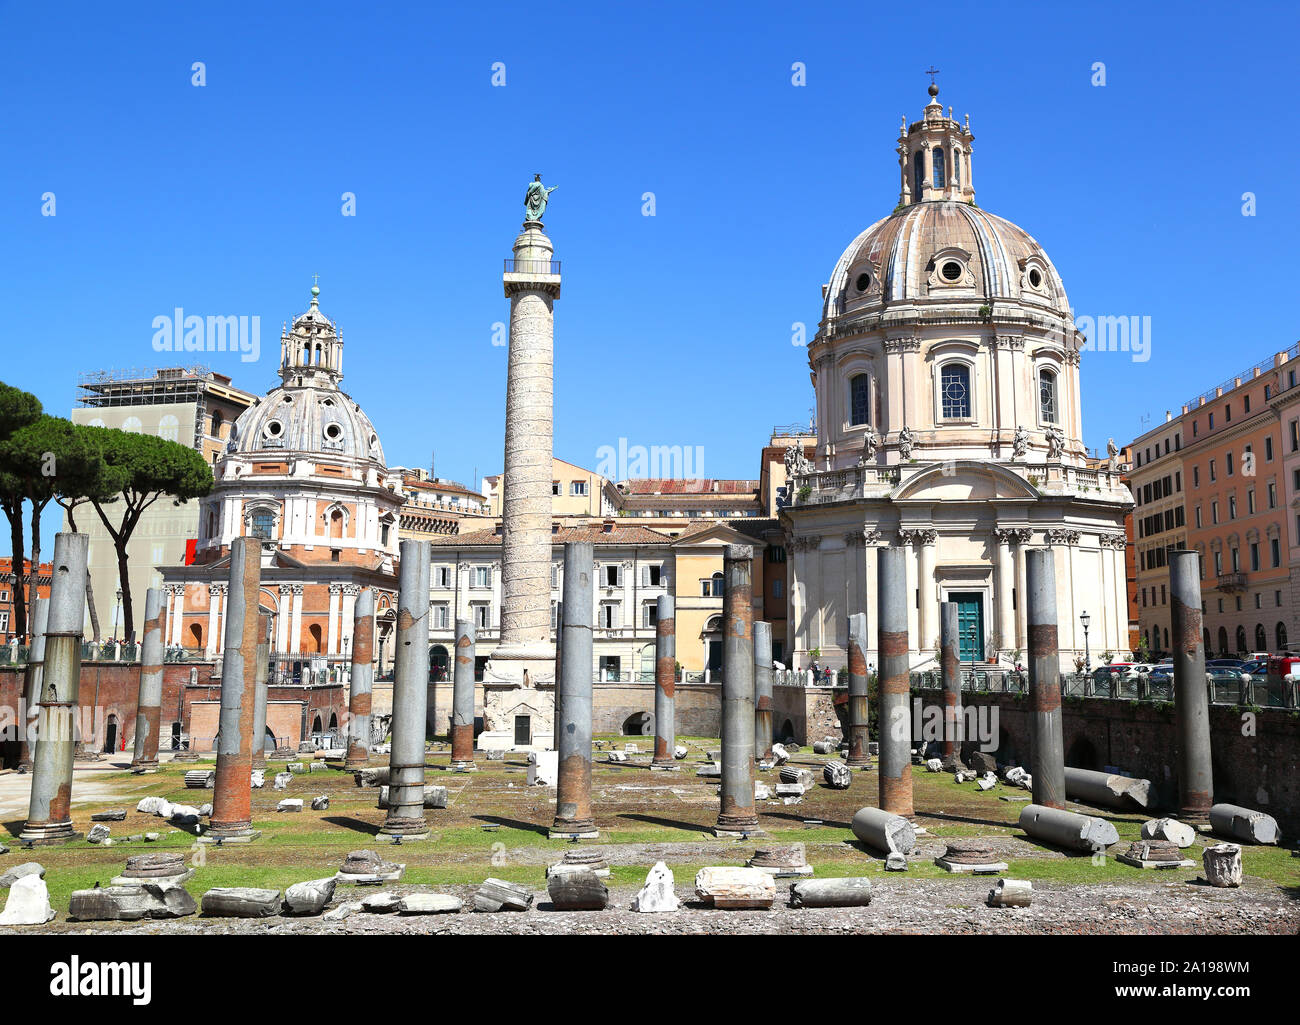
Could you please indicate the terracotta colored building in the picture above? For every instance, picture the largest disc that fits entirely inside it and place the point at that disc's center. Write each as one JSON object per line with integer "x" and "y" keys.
{"x": 304, "y": 471}
{"x": 7, "y": 586}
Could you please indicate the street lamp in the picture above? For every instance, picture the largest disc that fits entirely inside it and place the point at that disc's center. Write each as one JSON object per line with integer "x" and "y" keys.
{"x": 1085, "y": 619}
{"x": 117, "y": 614}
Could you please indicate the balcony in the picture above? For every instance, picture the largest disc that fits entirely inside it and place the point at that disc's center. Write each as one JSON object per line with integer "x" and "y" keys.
{"x": 1229, "y": 582}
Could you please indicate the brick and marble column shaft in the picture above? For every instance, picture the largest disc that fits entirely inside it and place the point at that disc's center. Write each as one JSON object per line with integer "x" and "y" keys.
{"x": 1191, "y": 701}
{"x": 148, "y": 708}
{"x": 1047, "y": 740}
{"x": 895, "y": 722}
{"x": 859, "y": 752}
{"x": 736, "y": 813}
{"x": 232, "y": 791}
{"x": 410, "y": 694}
{"x": 665, "y": 680}
{"x": 32, "y": 683}
{"x": 950, "y": 671}
{"x": 261, "y": 690}
{"x": 363, "y": 676}
{"x": 462, "y": 698}
{"x": 573, "y": 817}
{"x": 762, "y": 691}
{"x": 49, "y": 817}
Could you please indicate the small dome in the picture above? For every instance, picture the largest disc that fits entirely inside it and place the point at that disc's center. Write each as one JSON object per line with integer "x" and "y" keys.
{"x": 943, "y": 251}
{"x": 308, "y": 419}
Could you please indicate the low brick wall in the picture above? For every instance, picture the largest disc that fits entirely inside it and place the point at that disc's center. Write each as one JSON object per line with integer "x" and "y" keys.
{"x": 1255, "y": 756}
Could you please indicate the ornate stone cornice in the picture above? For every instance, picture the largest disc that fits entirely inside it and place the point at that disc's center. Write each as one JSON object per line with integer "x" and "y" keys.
{"x": 1118, "y": 541}
{"x": 1061, "y": 537}
{"x": 1016, "y": 342}
{"x": 893, "y": 345}
{"x": 352, "y": 589}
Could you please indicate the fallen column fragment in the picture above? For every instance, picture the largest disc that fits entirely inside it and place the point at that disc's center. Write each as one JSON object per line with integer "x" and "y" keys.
{"x": 1066, "y": 829}
{"x": 1012, "y": 893}
{"x": 884, "y": 831}
{"x": 499, "y": 895}
{"x": 729, "y": 887}
{"x": 578, "y": 889}
{"x": 241, "y": 902}
{"x": 1243, "y": 824}
{"x": 130, "y": 903}
{"x": 1169, "y": 829}
{"x": 1108, "y": 789}
{"x": 1222, "y": 864}
{"x": 852, "y": 892}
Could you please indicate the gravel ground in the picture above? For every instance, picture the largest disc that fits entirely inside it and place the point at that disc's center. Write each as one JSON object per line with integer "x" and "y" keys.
{"x": 954, "y": 907}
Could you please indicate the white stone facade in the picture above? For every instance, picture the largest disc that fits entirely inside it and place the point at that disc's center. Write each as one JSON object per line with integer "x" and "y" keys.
{"x": 946, "y": 371}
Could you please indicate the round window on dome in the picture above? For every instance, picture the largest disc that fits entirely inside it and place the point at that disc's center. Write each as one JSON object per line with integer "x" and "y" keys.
{"x": 951, "y": 270}
{"x": 273, "y": 428}
{"x": 863, "y": 282}
{"x": 1035, "y": 277}
{"x": 333, "y": 432}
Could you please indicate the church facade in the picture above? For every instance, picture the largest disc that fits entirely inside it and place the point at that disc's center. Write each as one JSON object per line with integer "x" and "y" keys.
{"x": 946, "y": 372}
{"x": 304, "y": 472}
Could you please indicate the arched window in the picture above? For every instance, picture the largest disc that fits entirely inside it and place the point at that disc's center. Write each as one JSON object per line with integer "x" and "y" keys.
{"x": 169, "y": 428}
{"x": 954, "y": 391}
{"x": 263, "y": 523}
{"x": 918, "y": 172}
{"x": 938, "y": 168}
{"x": 1241, "y": 638}
{"x": 336, "y": 523}
{"x": 1223, "y": 640}
{"x": 217, "y": 421}
{"x": 860, "y": 399}
{"x": 1280, "y": 630}
{"x": 1047, "y": 396}
{"x": 956, "y": 169}
{"x": 1261, "y": 637}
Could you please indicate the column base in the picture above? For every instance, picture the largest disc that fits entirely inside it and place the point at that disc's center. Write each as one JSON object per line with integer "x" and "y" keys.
{"x": 668, "y": 766}
{"x": 144, "y": 768}
{"x": 574, "y": 831}
{"x": 734, "y": 833}
{"x": 406, "y": 828}
{"x": 861, "y": 763}
{"x": 228, "y": 835}
{"x": 47, "y": 834}
{"x": 185, "y": 756}
{"x": 468, "y": 766}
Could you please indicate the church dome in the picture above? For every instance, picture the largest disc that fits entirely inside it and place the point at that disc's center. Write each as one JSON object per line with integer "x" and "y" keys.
{"x": 308, "y": 413}
{"x": 943, "y": 251}
{"x": 306, "y": 419}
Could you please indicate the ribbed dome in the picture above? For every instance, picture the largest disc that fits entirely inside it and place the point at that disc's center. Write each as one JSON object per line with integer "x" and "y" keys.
{"x": 943, "y": 251}
{"x": 307, "y": 419}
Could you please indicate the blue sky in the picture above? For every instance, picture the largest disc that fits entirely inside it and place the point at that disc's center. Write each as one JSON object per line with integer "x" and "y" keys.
{"x": 673, "y": 329}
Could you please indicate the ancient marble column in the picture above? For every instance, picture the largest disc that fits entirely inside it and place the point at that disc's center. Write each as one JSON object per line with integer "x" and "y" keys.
{"x": 1191, "y": 702}
{"x": 573, "y": 818}
{"x": 762, "y": 691}
{"x": 148, "y": 706}
{"x": 665, "y": 681}
{"x": 32, "y": 683}
{"x": 736, "y": 816}
{"x": 859, "y": 752}
{"x": 232, "y": 792}
{"x": 895, "y": 686}
{"x": 950, "y": 670}
{"x": 262, "y": 692}
{"x": 462, "y": 698}
{"x": 531, "y": 280}
{"x": 1047, "y": 741}
{"x": 410, "y": 696}
{"x": 49, "y": 817}
{"x": 363, "y": 677}
{"x": 1004, "y": 583}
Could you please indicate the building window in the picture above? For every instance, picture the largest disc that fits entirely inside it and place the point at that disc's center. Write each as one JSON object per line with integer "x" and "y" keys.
{"x": 1272, "y": 494}
{"x": 1268, "y": 449}
{"x": 263, "y": 523}
{"x": 481, "y": 576}
{"x": 860, "y": 399}
{"x": 1275, "y": 551}
{"x": 577, "y": 488}
{"x": 1213, "y": 475}
{"x": 778, "y": 588}
{"x": 918, "y": 173}
{"x": 1254, "y": 556}
{"x": 938, "y": 168}
{"x": 482, "y": 616}
{"x": 954, "y": 391}
{"x": 441, "y": 614}
{"x": 555, "y": 488}
{"x": 442, "y": 576}
{"x": 1047, "y": 396}
{"x": 649, "y": 613}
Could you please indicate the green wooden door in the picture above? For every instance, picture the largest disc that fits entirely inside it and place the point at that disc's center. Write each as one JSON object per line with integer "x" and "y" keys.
{"x": 970, "y": 625}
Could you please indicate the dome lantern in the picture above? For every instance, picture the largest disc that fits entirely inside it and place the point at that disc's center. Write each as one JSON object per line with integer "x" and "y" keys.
{"x": 311, "y": 351}
{"x": 934, "y": 156}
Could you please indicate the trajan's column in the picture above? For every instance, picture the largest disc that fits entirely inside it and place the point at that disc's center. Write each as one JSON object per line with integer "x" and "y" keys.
{"x": 515, "y": 700}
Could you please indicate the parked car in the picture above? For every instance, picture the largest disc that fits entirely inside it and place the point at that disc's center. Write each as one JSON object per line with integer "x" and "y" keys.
{"x": 1257, "y": 668}
{"x": 1224, "y": 663}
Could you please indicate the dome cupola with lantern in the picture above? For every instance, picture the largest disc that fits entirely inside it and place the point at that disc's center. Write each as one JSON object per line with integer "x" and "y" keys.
{"x": 948, "y": 422}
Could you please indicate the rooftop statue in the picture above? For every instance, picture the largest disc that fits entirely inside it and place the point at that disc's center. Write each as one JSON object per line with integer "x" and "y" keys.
{"x": 536, "y": 198}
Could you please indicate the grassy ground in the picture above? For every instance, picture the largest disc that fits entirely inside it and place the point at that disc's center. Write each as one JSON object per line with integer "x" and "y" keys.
{"x": 643, "y": 816}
